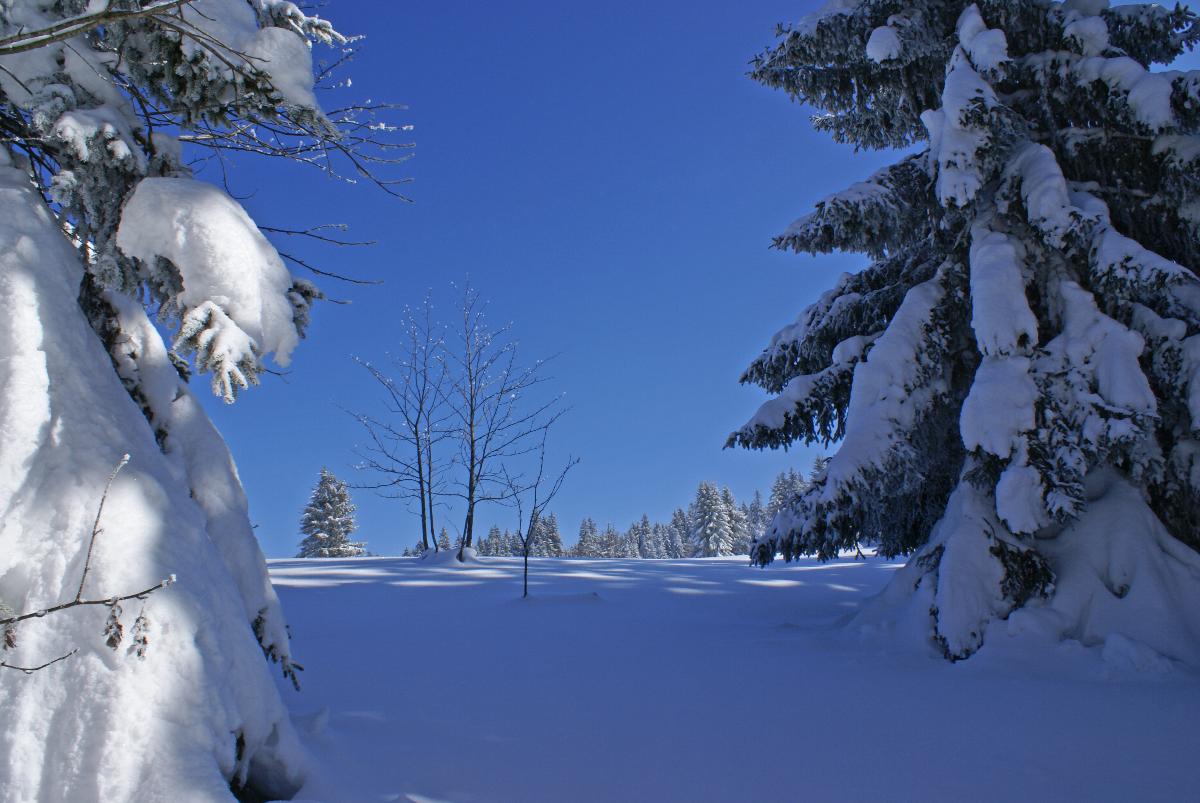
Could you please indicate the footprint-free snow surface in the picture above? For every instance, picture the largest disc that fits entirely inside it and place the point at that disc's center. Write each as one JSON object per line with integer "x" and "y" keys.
{"x": 700, "y": 680}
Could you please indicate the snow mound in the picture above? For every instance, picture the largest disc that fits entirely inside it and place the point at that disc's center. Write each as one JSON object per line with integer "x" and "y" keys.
{"x": 282, "y": 54}
{"x": 1118, "y": 571}
{"x": 224, "y": 262}
{"x": 1122, "y": 586}
{"x": 449, "y": 557}
{"x": 883, "y": 44}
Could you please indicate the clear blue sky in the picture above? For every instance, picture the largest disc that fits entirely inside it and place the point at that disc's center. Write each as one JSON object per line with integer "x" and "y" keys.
{"x": 610, "y": 179}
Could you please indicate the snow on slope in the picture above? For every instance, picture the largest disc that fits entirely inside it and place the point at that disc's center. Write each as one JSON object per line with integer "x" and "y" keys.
{"x": 631, "y": 680}
{"x": 103, "y": 725}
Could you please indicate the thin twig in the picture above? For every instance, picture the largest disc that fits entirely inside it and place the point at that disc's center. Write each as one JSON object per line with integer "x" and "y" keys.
{"x": 87, "y": 564}
{"x": 29, "y": 670}
{"x": 76, "y": 603}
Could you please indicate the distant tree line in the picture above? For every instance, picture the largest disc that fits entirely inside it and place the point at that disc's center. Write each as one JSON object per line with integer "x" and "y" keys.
{"x": 714, "y": 524}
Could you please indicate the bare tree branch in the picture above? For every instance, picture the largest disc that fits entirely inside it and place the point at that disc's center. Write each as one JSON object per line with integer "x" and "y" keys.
{"x": 542, "y": 492}
{"x": 29, "y": 670}
{"x": 87, "y": 563}
{"x": 8, "y": 623}
{"x": 405, "y": 452}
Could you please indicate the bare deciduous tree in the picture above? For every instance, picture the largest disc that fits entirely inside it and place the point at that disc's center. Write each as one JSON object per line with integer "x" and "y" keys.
{"x": 471, "y": 392}
{"x": 494, "y": 419}
{"x": 402, "y": 448}
{"x": 540, "y": 489}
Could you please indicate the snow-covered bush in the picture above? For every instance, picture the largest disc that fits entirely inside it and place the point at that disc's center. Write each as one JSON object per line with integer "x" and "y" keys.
{"x": 101, "y": 219}
{"x": 1025, "y": 346}
{"x": 328, "y": 520}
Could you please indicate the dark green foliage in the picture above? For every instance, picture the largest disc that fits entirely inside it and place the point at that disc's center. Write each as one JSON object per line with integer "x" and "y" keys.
{"x": 1044, "y": 243}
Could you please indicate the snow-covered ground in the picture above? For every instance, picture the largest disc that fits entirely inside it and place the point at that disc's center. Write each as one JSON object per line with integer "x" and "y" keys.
{"x": 698, "y": 680}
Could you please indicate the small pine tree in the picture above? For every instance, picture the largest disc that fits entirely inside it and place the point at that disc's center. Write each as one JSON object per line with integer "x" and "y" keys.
{"x": 443, "y": 541}
{"x": 328, "y": 520}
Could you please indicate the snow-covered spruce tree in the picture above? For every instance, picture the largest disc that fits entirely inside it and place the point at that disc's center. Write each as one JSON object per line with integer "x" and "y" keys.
{"x": 651, "y": 543}
{"x": 547, "y": 541}
{"x": 328, "y": 520}
{"x": 612, "y": 543}
{"x": 490, "y": 546}
{"x": 712, "y": 530}
{"x": 756, "y": 516}
{"x": 588, "y": 545}
{"x": 788, "y": 485}
{"x": 1015, "y": 379}
{"x": 678, "y": 544}
{"x": 739, "y": 524}
{"x": 99, "y": 102}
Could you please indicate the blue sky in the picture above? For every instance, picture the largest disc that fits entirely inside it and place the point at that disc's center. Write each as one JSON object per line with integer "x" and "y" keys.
{"x": 609, "y": 178}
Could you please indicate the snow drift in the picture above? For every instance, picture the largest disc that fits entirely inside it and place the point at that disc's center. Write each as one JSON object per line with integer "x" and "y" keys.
{"x": 201, "y": 708}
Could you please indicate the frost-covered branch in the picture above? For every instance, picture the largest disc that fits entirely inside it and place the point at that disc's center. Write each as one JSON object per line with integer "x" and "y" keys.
{"x": 81, "y": 23}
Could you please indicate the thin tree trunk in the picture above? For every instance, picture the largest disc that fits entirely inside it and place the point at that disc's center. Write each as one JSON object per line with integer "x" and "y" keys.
{"x": 429, "y": 493}
{"x": 472, "y": 479}
{"x": 467, "y": 525}
{"x": 421, "y": 489}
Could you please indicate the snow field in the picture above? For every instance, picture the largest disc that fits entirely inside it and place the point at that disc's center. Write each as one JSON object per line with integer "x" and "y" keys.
{"x": 632, "y": 681}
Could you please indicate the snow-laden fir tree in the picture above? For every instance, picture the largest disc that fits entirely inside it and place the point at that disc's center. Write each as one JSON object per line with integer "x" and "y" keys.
{"x": 756, "y": 516}
{"x": 547, "y": 540}
{"x": 588, "y": 545}
{"x": 650, "y": 539}
{"x": 1015, "y": 378}
{"x": 739, "y": 524}
{"x": 328, "y": 520}
{"x": 640, "y": 537}
{"x": 818, "y": 469}
{"x": 103, "y": 107}
{"x": 711, "y": 529}
{"x": 679, "y": 535}
{"x": 443, "y": 541}
{"x": 613, "y": 544}
{"x": 659, "y": 542}
{"x": 788, "y": 485}
{"x": 491, "y": 545}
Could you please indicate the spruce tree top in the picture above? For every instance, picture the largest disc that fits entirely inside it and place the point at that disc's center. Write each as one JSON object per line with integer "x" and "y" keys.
{"x": 1032, "y": 309}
